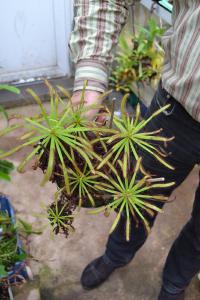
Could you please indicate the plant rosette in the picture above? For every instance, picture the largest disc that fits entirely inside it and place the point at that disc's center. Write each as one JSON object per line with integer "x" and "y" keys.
{"x": 82, "y": 158}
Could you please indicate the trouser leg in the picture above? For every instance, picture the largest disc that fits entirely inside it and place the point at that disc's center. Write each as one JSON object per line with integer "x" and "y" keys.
{"x": 121, "y": 252}
{"x": 183, "y": 261}
{"x": 118, "y": 250}
{"x": 184, "y": 154}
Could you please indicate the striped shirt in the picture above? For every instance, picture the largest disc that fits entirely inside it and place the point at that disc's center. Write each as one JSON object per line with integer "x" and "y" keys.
{"x": 97, "y": 25}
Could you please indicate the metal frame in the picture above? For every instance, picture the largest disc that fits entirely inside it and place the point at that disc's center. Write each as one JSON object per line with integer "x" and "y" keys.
{"x": 166, "y": 5}
{"x": 159, "y": 10}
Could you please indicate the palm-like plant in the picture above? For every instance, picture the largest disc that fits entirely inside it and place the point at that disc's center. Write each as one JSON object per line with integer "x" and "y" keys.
{"x": 130, "y": 195}
{"x": 54, "y": 133}
{"x": 131, "y": 136}
{"x": 57, "y": 134}
{"x": 83, "y": 183}
{"x": 60, "y": 216}
{"x": 77, "y": 114}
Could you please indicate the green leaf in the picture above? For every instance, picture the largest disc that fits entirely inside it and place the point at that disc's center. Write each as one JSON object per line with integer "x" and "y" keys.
{"x": 51, "y": 162}
{"x": 10, "y": 152}
{"x": 39, "y": 102}
{"x": 10, "y": 129}
{"x": 27, "y": 228}
{"x": 116, "y": 221}
{"x": 21, "y": 257}
{"x": 3, "y": 272}
{"x": 128, "y": 223}
{"x": 27, "y": 159}
{"x": 9, "y": 88}
{"x": 3, "y": 111}
{"x": 6, "y": 168}
{"x": 4, "y": 176}
{"x": 64, "y": 169}
{"x": 123, "y": 106}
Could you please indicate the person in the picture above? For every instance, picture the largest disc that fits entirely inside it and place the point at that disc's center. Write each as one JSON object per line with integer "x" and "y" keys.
{"x": 97, "y": 25}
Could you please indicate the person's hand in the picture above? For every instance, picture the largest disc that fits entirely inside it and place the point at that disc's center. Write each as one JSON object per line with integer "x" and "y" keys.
{"x": 91, "y": 98}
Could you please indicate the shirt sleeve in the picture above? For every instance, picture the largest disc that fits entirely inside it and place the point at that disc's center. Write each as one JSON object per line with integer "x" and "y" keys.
{"x": 97, "y": 25}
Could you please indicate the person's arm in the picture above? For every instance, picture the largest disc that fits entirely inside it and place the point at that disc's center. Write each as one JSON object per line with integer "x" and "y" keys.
{"x": 97, "y": 25}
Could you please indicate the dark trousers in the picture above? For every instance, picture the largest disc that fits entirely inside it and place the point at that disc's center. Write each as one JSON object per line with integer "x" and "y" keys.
{"x": 183, "y": 261}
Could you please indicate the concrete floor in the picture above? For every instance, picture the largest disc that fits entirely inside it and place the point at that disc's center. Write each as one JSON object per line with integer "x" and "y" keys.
{"x": 58, "y": 262}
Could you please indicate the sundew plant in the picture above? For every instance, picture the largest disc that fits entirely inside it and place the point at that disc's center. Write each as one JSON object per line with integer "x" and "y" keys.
{"x": 92, "y": 166}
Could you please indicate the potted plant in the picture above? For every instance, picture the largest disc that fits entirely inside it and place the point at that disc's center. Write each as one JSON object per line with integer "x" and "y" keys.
{"x": 93, "y": 166}
{"x": 13, "y": 270}
{"x": 139, "y": 61}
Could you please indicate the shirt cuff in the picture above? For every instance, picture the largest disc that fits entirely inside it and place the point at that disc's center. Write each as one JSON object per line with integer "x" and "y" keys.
{"x": 96, "y": 74}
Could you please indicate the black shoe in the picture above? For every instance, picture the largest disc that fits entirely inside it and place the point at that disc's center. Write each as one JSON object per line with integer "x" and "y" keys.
{"x": 96, "y": 273}
{"x": 166, "y": 296}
